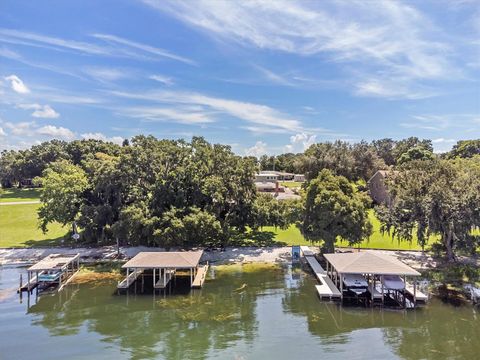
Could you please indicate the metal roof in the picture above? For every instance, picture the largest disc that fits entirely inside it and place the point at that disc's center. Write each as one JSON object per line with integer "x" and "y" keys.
{"x": 369, "y": 263}
{"x": 165, "y": 259}
{"x": 54, "y": 262}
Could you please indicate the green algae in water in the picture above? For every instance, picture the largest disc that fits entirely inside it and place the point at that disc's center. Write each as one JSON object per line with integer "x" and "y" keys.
{"x": 276, "y": 316}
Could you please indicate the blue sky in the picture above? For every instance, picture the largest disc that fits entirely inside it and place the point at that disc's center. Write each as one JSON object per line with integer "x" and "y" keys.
{"x": 264, "y": 77}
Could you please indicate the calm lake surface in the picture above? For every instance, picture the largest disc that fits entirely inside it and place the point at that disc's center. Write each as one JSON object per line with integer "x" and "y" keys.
{"x": 267, "y": 313}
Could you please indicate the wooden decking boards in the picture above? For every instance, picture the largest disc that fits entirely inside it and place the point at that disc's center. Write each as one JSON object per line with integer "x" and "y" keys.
{"x": 327, "y": 288}
{"x": 200, "y": 277}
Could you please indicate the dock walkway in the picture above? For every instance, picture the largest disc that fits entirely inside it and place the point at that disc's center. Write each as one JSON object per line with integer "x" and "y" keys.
{"x": 327, "y": 288}
{"x": 130, "y": 279}
{"x": 200, "y": 277}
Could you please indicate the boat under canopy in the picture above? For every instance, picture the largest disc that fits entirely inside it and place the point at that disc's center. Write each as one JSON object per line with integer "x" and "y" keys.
{"x": 393, "y": 282}
{"x": 355, "y": 283}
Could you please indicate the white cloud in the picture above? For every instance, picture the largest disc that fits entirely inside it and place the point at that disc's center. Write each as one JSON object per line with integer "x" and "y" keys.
{"x": 162, "y": 79}
{"x": 143, "y": 47}
{"x": 388, "y": 41}
{"x": 435, "y": 122}
{"x": 259, "y": 149}
{"x": 40, "y": 111}
{"x": 24, "y": 128}
{"x": 180, "y": 114}
{"x": 274, "y": 77}
{"x": 441, "y": 145}
{"x": 106, "y": 74}
{"x": 119, "y": 47}
{"x": 56, "y": 132}
{"x": 2, "y": 132}
{"x": 300, "y": 142}
{"x": 205, "y": 108}
{"x": 99, "y": 136}
{"x": 17, "y": 84}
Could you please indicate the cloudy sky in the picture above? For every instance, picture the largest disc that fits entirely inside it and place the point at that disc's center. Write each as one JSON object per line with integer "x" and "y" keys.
{"x": 264, "y": 77}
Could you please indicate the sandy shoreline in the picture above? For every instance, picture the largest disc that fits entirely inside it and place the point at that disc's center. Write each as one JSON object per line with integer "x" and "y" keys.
{"x": 230, "y": 255}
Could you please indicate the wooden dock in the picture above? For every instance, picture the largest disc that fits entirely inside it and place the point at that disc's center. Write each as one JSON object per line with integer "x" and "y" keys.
{"x": 200, "y": 277}
{"x": 326, "y": 289}
{"x": 421, "y": 297}
{"x": 55, "y": 270}
{"x": 30, "y": 285}
{"x": 130, "y": 279}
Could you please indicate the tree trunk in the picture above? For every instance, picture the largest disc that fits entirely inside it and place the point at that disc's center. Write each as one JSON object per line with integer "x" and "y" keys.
{"x": 447, "y": 241}
{"x": 329, "y": 246}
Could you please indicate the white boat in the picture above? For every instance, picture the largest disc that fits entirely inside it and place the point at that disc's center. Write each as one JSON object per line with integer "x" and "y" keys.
{"x": 355, "y": 283}
{"x": 393, "y": 282}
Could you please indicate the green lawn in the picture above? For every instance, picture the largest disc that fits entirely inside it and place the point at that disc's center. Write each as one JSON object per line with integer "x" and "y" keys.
{"x": 18, "y": 227}
{"x": 292, "y": 236}
{"x": 291, "y": 184}
{"x": 8, "y": 195}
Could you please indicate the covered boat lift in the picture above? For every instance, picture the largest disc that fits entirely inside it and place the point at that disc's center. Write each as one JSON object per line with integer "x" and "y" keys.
{"x": 53, "y": 270}
{"x": 385, "y": 277}
{"x": 164, "y": 266}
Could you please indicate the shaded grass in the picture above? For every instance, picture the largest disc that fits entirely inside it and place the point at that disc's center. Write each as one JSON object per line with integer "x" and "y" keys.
{"x": 291, "y": 184}
{"x": 292, "y": 236}
{"x": 10, "y": 195}
{"x": 19, "y": 228}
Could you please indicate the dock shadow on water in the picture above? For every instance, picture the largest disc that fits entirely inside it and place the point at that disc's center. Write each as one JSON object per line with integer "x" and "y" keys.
{"x": 252, "y": 311}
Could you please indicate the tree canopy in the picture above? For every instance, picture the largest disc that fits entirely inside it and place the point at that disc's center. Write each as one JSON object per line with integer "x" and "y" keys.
{"x": 333, "y": 209}
{"x": 435, "y": 197}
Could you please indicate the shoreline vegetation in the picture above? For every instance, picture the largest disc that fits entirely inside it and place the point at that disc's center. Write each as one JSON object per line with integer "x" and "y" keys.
{"x": 151, "y": 193}
{"x": 19, "y": 229}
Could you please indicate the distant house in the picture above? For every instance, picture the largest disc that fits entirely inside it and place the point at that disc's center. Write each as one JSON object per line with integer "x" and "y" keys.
{"x": 299, "y": 177}
{"x": 377, "y": 186}
{"x": 266, "y": 177}
{"x": 270, "y": 187}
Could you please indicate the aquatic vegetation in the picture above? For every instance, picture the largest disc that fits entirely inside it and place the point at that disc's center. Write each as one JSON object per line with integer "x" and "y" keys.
{"x": 97, "y": 272}
{"x": 246, "y": 268}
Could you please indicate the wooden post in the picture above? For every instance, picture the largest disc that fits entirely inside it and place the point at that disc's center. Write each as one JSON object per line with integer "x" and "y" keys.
{"x": 341, "y": 286}
{"x": 21, "y": 283}
{"x": 372, "y": 285}
{"x": 415, "y": 292}
{"x": 191, "y": 277}
{"x": 383, "y": 300}
{"x": 404, "y": 291}
{"x": 154, "y": 280}
{"x": 164, "y": 277}
{"x": 128, "y": 277}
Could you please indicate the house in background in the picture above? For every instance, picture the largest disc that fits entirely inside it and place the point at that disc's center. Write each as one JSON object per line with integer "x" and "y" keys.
{"x": 299, "y": 177}
{"x": 265, "y": 176}
{"x": 377, "y": 186}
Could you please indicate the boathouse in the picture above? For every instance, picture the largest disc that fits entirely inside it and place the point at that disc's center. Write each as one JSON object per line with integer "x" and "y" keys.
{"x": 53, "y": 271}
{"x": 376, "y": 277}
{"x": 163, "y": 267}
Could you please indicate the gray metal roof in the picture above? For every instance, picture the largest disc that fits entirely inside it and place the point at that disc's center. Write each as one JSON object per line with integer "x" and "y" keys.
{"x": 165, "y": 259}
{"x": 369, "y": 263}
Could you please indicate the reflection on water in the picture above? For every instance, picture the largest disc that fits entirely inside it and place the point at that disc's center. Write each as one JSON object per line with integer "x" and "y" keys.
{"x": 252, "y": 312}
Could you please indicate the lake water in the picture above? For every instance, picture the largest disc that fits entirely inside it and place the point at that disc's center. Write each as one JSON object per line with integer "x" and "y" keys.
{"x": 267, "y": 313}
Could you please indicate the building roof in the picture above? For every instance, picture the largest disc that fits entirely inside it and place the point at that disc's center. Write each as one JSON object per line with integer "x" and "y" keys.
{"x": 369, "y": 263}
{"x": 383, "y": 173}
{"x": 54, "y": 262}
{"x": 165, "y": 259}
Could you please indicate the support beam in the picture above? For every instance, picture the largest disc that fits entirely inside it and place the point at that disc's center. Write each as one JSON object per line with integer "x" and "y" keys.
{"x": 383, "y": 299}
{"x": 415, "y": 292}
